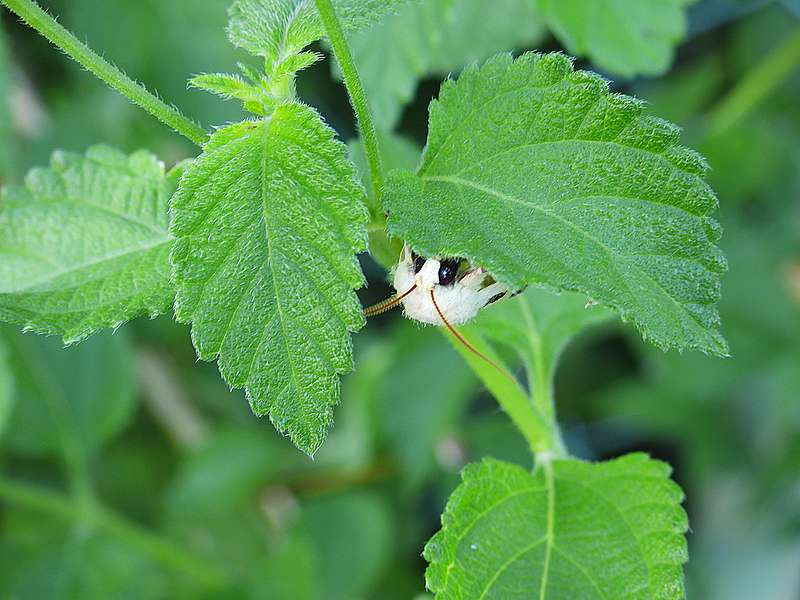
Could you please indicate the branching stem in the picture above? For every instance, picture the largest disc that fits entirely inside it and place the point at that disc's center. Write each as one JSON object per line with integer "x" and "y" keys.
{"x": 357, "y": 98}
{"x": 32, "y": 14}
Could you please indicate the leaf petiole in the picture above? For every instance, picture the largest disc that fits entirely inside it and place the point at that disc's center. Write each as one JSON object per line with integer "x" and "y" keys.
{"x": 32, "y": 14}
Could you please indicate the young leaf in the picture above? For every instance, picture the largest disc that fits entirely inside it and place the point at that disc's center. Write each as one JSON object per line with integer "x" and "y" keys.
{"x": 537, "y": 173}
{"x": 624, "y": 37}
{"x": 569, "y": 530}
{"x": 84, "y": 244}
{"x": 268, "y": 221}
{"x": 277, "y": 29}
{"x": 436, "y": 36}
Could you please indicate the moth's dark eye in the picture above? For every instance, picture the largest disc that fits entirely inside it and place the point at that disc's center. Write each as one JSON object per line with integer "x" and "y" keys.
{"x": 448, "y": 269}
{"x": 419, "y": 262}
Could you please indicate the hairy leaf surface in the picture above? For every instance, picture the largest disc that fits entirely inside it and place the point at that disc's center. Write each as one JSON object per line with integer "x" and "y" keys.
{"x": 435, "y": 36}
{"x": 268, "y": 221}
{"x": 84, "y": 244}
{"x": 537, "y": 173}
{"x": 277, "y": 29}
{"x": 569, "y": 530}
{"x": 624, "y": 37}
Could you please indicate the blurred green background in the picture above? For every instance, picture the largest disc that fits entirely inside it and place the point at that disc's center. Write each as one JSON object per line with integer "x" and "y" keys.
{"x": 204, "y": 500}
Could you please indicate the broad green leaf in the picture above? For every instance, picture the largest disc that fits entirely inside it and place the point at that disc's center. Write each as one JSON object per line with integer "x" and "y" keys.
{"x": 84, "y": 244}
{"x": 68, "y": 400}
{"x": 6, "y": 386}
{"x": 277, "y": 29}
{"x": 569, "y": 530}
{"x": 268, "y": 221}
{"x": 624, "y": 37}
{"x": 435, "y": 37}
{"x": 535, "y": 172}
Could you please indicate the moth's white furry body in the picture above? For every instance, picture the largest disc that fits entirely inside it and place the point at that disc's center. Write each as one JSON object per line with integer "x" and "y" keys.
{"x": 459, "y": 302}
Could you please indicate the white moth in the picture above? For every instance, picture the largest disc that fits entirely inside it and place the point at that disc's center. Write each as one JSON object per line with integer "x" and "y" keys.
{"x": 442, "y": 291}
{"x": 459, "y": 290}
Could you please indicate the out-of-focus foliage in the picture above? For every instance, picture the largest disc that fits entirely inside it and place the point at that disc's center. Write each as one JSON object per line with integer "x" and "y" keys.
{"x": 85, "y": 243}
{"x": 234, "y": 511}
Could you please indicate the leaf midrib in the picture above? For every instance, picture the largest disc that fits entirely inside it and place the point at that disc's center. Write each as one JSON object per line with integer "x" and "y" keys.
{"x": 129, "y": 251}
{"x": 658, "y": 156}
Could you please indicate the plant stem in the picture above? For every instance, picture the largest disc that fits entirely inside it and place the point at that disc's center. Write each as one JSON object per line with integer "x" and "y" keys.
{"x": 158, "y": 548}
{"x": 758, "y": 84}
{"x": 534, "y": 424}
{"x": 32, "y": 14}
{"x": 357, "y": 97}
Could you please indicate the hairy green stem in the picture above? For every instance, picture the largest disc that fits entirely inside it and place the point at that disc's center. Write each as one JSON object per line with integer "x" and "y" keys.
{"x": 154, "y": 546}
{"x": 539, "y": 429}
{"x": 357, "y": 98}
{"x": 32, "y": 14}
{"x": 758, "y": 84}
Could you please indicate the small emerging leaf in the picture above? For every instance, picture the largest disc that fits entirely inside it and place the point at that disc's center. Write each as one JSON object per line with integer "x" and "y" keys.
{"x": 278, "y": 29}
{"x": 84, "y": 244}
{"x": 624, "y": 37}
{"x": 537, "y": 173}
{"x": 569, "y": 530}
{"x": 268, "y": 221}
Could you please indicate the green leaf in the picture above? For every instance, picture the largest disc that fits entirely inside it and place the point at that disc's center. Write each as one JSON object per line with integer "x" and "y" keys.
{"x": 268, "y": 221}
{"x": 277, "y": 29}
{"x": 569, "y": 530}
{"x": 435, "y": 37}
{"x": 535, "y": 172}
{"x": 84, "y": 244}
{"x": 624, "y": 37}
{"x": 68, "y": 400}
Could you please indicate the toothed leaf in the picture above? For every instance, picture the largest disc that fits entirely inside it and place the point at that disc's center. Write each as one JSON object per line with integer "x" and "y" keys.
{"x": 537, "y": 173}
{"x": 569, "y": 530}
{"x": 623, "y": 37}
{"x": 268, "y": 221}
{"x": 84, "y": 243}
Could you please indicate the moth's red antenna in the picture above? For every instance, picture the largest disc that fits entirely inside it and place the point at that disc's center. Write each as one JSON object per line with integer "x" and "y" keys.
{"x": 467, "y": 345}
{"x": 388, "y": 304}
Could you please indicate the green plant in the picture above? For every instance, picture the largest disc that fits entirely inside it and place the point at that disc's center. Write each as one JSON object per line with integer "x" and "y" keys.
{"x": 532, "y": 169}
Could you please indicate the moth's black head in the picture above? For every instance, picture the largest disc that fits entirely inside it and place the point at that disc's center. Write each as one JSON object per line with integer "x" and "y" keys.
{"x": 418, "y": 261}
{"x": 448, "y": 269}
